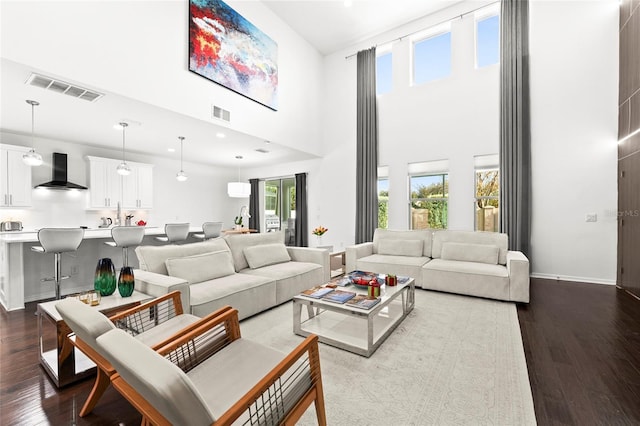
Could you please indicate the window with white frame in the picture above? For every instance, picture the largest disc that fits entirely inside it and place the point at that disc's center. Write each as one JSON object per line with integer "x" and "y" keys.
{"x": 487, "y": 193}
{"x": 487, "y": 37}
{"x": 383, "y": 197}
{"x": 384, "y": 70}
{"x": 429, "y": 195}
{"x": 432, "y": 55}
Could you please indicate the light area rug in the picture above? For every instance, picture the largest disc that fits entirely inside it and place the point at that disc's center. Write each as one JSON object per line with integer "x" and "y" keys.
{"x": 455, "y": 360}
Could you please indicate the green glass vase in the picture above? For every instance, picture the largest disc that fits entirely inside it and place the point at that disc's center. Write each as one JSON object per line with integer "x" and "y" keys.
{"x": 126, "y": 281}
{"x": 105, "y": 279}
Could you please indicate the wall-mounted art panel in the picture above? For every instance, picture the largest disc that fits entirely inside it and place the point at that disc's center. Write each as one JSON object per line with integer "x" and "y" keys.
{"x": 229, "y": 50}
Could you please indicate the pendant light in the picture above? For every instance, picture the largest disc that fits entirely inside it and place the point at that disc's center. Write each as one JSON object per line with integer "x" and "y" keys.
{"x": 239, "y": 189}
{"x": 123, "y": 168}
{"x": 32, "y": 158}
{"x": 181, "y": 176}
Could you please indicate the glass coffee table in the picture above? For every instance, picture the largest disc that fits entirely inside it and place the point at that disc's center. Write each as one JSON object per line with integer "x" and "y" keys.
{"x": 356, "y": 330}
{"x": 62, "y": 362}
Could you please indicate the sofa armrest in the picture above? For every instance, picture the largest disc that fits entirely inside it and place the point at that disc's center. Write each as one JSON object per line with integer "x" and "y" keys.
{"x": 518, "y": 270}
{"x": 355, "y": 252}
{"x": 312, "y": 255}
{"x": 158, "y": 285}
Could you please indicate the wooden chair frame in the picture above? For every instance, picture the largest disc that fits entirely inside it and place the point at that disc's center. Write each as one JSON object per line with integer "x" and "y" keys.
{"x": 229, "y": 319}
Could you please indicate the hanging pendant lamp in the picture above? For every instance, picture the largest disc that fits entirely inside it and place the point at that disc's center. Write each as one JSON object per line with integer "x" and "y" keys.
{"x": 123, "y": 168}
{"x": 238, "y": 189}
{"x": 181, "y": 176}
{"x": 32, "y": 158}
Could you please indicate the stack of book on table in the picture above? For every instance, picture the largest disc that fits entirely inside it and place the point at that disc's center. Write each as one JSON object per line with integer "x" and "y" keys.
{"x": 341, "y": 296}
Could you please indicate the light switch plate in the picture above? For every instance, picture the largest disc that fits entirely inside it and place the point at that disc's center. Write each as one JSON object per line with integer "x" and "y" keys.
{"x": 591, "y": 217}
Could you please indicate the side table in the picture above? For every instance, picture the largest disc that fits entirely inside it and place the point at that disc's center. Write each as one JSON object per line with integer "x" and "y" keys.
{"x": 59, "y": 358}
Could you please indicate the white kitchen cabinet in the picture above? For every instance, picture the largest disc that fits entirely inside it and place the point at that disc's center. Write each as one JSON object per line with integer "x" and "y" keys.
{"x": 137, "y": 187}
{"x": 105, "y": 184}
{"x": 15, "y": 177}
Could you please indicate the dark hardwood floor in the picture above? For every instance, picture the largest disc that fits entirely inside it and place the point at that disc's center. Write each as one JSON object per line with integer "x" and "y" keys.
{"x": 581, "y": 341}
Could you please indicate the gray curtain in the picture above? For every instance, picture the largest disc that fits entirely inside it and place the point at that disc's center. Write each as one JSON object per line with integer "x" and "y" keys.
{"x": 515, "y": 133}
{"x": 367, "y": 147}
{"x": 254, "y": 204}
{"x": 302, "y": 225}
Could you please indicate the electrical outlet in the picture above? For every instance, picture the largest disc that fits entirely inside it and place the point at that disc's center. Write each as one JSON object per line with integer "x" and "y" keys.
{"x": 591, "y": 217}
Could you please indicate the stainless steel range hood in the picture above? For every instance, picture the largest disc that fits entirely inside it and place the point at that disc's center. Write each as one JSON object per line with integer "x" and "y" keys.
{"x": 59, "y": 175}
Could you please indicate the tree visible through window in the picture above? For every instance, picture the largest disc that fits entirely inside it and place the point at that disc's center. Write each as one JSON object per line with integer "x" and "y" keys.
{"x": 383, "y": 203}
{"x": 487, "y": 199}
{"x": 429, "y": 201}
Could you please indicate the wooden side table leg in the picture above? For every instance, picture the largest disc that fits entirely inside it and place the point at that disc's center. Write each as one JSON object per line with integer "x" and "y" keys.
{"x": 101, "y": 384}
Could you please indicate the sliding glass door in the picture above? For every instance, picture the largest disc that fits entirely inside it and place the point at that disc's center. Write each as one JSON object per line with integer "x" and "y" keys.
{"x": 280, "y": 207}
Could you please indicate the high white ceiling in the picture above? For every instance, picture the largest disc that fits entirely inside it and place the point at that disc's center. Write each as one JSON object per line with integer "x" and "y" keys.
{"x": 328, "y": 25}
{"x": 331, "y": 25}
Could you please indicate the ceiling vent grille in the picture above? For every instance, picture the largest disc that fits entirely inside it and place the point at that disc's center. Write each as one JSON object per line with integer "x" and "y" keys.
{"x": 58, "y": 86}
{"x": 262, "y": 150}
{"x": 220, "y": 113}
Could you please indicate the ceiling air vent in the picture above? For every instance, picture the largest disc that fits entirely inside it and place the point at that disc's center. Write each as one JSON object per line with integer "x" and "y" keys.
{"x": 65, "y": 88}
{"x": 262, "y": 150}
{"x": 220, "y": 113}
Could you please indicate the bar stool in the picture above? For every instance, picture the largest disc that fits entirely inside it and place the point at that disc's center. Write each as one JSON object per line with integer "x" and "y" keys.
{"x": 175, "y": 232}
{"x": 58, "y": 241}
{"x": 125, "y": 237}
{"x": 210, "y": 230}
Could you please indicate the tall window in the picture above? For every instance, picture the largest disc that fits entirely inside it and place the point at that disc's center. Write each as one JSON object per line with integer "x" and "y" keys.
{"x": 432, "y": 58}
{"x": 429, "y": 201}
{"x": 487, "y": 41}
{"x": 487, "y": 198}
{"x": 383, "y": 202}
{"x": 384, "y": 72}
{"x": 280, "y": 207}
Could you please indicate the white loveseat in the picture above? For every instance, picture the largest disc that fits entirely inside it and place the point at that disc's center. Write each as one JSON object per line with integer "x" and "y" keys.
{"x": 251, "y": 272}
{"x": 464, "y": 262}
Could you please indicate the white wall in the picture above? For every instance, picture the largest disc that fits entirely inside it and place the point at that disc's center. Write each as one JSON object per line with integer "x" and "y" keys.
{"x": 574, "y": 126}
{"x": 139, "y": 49}
{"x": 574, "y": 93}
{"x": 201, "y": 198}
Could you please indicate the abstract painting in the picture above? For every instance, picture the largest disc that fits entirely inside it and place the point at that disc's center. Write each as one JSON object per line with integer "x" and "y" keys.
{"x": 229, "y": 50}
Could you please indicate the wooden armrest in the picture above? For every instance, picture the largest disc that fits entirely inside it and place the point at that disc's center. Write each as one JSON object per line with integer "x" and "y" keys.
{"x": 204, "y": 324}
{"x": 177, "y": 305}
{"x": 308, "y": 347}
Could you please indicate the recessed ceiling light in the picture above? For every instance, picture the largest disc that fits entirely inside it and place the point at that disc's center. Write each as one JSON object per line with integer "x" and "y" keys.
{"x": 221, "y": 135}
{"x": 171, "y": 149}
{"x": 267, "y": 142}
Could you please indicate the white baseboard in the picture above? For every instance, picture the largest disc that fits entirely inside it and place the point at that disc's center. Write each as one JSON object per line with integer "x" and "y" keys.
{"x": 589, "y": 280}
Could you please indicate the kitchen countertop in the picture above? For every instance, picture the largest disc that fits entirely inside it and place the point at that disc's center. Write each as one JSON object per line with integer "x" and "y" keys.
{"x": 31, "y": 235}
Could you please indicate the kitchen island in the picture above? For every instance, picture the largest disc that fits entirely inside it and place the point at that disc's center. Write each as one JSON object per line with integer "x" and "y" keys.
{"x": 21, "y": 269}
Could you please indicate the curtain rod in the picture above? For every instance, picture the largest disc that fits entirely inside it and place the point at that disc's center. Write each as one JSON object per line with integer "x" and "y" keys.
{"x": 462, "y": 15}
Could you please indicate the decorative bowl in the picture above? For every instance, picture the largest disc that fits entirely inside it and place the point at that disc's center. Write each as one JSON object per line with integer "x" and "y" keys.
{"x": 362, "y": 281}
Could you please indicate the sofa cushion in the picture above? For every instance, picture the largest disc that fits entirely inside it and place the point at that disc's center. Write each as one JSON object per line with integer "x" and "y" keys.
{"x": 399, "y": 265}
{"x": 291, "y": 277}
{"x": 238, "y": 242}
{"x": 201, "y": 267}
{"x": 467, "y": 252}
{"x": 413, "y": 248}
{"x": 152, "y": 258}
{"x": 391, "y": 234}
{"x": 486, "y": 238}
{"x": 266, "y": 254}
{"x": 472, "y": 278}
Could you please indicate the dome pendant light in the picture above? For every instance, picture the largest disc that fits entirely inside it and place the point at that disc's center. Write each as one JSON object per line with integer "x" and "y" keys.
{"x": 181, "y": 176}
{"x": 239, "y": 189}
{"x": 123, "y": 168}
{"x": 32, "y": 158}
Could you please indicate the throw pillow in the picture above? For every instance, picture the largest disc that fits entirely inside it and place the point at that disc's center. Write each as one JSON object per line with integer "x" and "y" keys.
{"x": 400, "y": 247}
{"x": 466, "y": 252}
{"x": 266, "y": 254}
{"x": 201, "y": 267}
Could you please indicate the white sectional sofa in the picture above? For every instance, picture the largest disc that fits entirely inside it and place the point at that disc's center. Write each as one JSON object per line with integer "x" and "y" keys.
{"x": 464, "y": 262}
{"x": 251, "y": 272}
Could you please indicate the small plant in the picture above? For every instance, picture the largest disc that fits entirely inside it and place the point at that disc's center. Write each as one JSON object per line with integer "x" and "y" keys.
{"x": 319, "y": 231}
{"x": 238, "y": 220}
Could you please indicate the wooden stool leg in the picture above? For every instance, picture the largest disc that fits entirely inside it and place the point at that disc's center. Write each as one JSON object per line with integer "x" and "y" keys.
{"x": 101, "y": 384}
